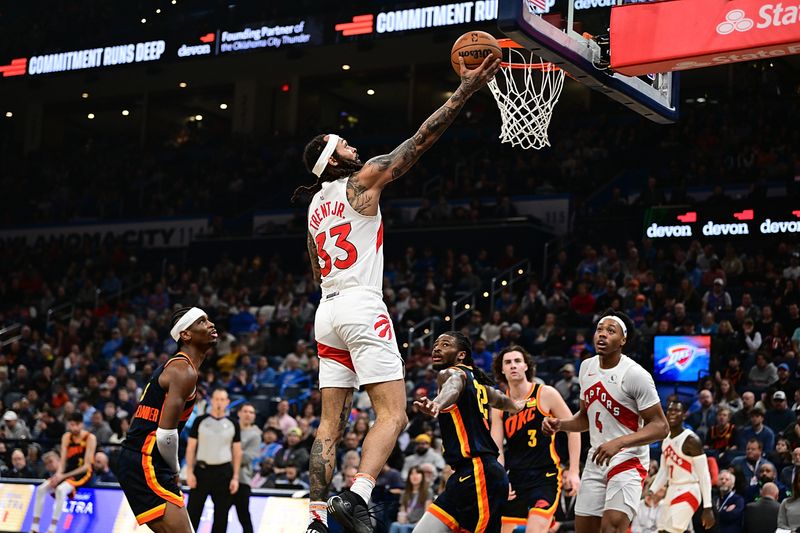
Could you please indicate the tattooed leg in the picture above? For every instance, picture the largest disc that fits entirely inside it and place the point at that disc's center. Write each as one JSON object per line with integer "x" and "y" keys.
{"x": 336, "y": 405}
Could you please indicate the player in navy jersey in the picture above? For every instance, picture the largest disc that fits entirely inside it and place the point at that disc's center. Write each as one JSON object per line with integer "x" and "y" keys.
{"x": 530, "y": 457}
{"x": 148, "y": 465}
{"x": 74, "y": 471}
{"x": 479, "y": 485}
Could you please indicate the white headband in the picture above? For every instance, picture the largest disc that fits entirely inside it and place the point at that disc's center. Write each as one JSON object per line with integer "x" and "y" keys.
{"x": 185, "y": 322}
{"x": 618, "y": 321}
{"x": 322, "y": 162}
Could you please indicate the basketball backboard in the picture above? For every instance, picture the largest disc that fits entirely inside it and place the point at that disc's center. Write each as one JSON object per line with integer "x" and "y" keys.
{"x": 547, "y": 28}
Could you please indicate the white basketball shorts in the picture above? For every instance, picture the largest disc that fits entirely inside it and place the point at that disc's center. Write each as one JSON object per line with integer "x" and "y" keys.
{"x": 682, "y": 502}
{"x": 356, "y": 341}
{"x": 617, "y": 487}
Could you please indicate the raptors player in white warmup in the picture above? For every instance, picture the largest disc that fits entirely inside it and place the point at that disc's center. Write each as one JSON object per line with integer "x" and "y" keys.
{"x": 685, "y": 467}
{"x": 621, "y": 410}
{"x": 355, "y": 340}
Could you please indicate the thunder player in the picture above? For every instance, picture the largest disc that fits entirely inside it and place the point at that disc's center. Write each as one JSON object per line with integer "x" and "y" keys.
{"x": 479, "y": 485}
{"x": 534, "y": 468}
{"x": 148, "y": 465}
{"x": 685, "y": 467}
{"x": 621, "y": 410}
{"x": 355, "y": 340}
{"x": 74, "y": 470}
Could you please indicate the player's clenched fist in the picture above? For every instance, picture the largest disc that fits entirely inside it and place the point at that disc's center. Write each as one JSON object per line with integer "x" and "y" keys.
{"x": 551, "y": 425}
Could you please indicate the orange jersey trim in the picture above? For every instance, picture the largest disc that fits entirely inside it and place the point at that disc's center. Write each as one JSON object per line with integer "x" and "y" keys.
{"x": 181, "y": 355}
{"x": 461, "y": 432}
{"x": 81, "y": 481}
{"x": 551, "y": 511}
{"x": 539, "y": 402}
{"x": 483, "y": 497}
{"x": 444, "y": 517}
{"x": 150, "y": 473}
{"x": 512, "y": 520}
{"x": 152, "y": 514}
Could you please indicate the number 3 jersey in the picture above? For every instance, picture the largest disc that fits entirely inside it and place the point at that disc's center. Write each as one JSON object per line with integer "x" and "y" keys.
{"x": 527, "y": 447}
{"x": 465, "y": 424}
{"x": 614, "y": 397}
{"x": 349, "y": 244}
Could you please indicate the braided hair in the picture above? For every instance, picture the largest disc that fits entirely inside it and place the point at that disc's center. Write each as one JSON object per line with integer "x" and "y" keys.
{"x": 463, "y": 344}
{"x": 311, "y": 153}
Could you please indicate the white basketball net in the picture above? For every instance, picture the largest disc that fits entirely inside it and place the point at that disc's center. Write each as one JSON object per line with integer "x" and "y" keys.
{"x": 526, "y": 94}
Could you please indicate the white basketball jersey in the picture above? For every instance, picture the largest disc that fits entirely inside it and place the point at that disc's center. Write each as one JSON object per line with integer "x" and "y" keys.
{"x": 614, "y": 398}
{"x": 679, "y": 465}
{"x": 349, "y": 244}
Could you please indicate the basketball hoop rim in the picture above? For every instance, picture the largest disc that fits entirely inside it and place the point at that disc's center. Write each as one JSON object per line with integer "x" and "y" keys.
{"x": 544, "y": 66}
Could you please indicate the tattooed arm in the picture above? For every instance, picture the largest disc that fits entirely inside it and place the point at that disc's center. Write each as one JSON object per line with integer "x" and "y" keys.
{"x": 314, "y": 257}
{"x": 364, "y": 186}
{"x": 451, "y": 383}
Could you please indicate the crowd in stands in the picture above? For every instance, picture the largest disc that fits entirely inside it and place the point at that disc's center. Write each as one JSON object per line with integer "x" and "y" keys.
{"x": 736, "y": 140}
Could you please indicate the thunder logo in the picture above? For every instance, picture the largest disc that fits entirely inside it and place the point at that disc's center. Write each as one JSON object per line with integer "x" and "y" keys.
{"x": 680, "y": 356}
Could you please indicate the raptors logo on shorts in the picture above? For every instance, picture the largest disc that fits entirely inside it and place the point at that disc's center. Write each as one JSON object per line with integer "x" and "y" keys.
{"x": 384, "y": 327}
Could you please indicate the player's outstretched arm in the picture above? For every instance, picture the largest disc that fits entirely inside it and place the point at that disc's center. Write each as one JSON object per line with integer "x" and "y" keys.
{"x": 498, "y": 400}
{"x": 554, "y": 403}
{"x": 655, "y": 428}
{"x": 381, "y": 170}
{"x": 451, "y": 384}
{"x": 577, "y": 423}
{"x": 693, "y": 447}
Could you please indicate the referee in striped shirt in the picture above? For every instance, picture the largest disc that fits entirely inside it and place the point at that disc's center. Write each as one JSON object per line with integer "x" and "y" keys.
{"x": 213, "y": 458}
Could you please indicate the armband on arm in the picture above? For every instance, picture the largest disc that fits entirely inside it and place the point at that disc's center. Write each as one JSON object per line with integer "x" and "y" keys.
{"x": 700, "y": 466}
{"x": 167, "y": 442}
{"x": 661, "y": 476}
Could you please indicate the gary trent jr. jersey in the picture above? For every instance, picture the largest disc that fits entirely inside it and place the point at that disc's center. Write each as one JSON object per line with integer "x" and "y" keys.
{"x": 349, "y": 244}
{"x": 465, "y": 424}
{"x": 614, "y": 398}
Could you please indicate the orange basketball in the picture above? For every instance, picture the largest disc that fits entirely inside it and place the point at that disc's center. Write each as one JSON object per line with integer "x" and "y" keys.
{"x": 474, "y": 47}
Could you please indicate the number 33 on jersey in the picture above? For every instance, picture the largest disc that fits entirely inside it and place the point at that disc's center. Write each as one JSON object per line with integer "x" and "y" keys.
{"x": 349, "y": 244}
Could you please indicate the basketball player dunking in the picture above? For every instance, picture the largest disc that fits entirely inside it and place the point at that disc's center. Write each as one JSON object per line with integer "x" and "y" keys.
{"x": 621, "y": 410}
{"x": 148, "y": 465}
{"x": 685, "y": 467}
{"x": 355, "y": 340}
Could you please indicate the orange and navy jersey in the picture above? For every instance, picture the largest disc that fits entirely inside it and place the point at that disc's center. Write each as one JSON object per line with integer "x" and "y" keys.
{"x": 76, "y": 454}
{"x": 527, "y": 446}
{"x": 141, "y": 434}
{"x": 465, "y": 425}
